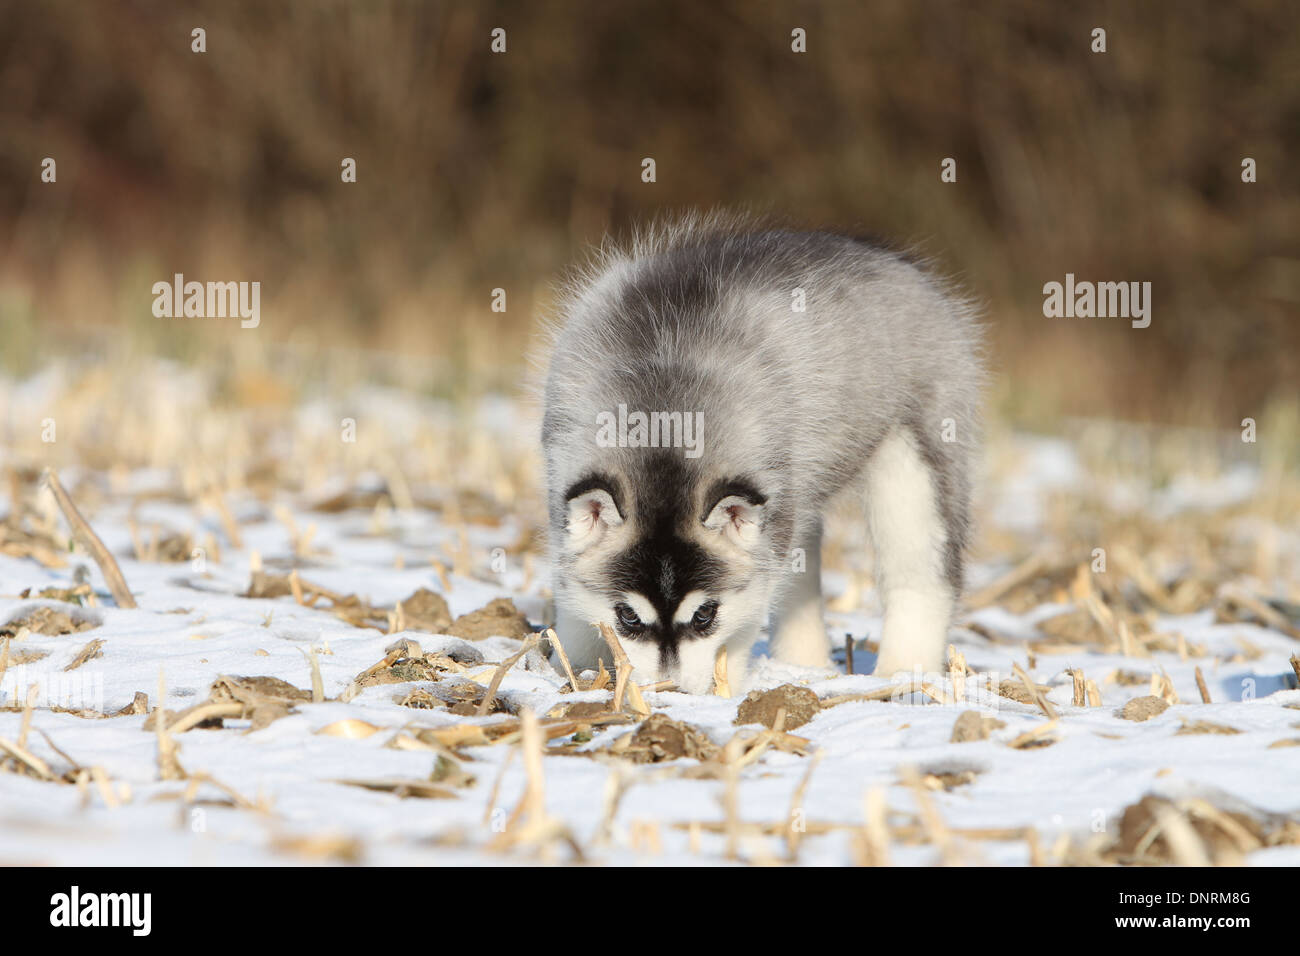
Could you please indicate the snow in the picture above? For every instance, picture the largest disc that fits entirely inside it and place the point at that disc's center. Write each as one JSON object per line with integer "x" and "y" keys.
{"x": 192, "y": 625}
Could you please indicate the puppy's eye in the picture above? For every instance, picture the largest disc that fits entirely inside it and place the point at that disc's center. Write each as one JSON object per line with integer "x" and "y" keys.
{"x": 704, "y": 615}
{"x": 627, "y": 617}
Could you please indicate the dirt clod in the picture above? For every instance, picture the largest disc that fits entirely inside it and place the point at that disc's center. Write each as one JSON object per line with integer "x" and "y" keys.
{"x": 760, "y": 707}
{"x": 1014, "y": 689}
{"x": 972, "y": 725}
{"x": 661, "y": 738}
{"x": 49, "y": 621}
{"x": 1143, "y": 708}
{"x": 500, "y": 618}
{"x": 426, "y": 611}
{"x": 1223, "y": 835}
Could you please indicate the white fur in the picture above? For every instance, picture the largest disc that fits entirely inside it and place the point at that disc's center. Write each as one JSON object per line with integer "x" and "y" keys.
{"x": 799, "y": 634}
{"x": 909, "y": 540}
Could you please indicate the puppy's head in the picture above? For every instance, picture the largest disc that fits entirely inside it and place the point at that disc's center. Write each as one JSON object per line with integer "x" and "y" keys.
{"x": 672, "y": 561}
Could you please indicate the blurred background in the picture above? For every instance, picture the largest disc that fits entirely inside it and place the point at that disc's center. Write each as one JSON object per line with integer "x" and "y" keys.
{"x": 478, "y": 170}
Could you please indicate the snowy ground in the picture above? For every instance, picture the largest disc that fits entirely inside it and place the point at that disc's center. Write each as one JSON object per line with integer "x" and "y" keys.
{"x": 889, "y": 784}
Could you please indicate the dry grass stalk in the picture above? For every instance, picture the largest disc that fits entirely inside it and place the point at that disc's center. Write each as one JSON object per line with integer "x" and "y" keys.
{"x": 659, "y": 685}
{"x": 87, "y": 653}
{"x": 1184, "y": 845}
{"x": 197, "y": 715}
{"x": 721, "y": 685}
{"x": 1205, "y": 691}
{"x": 616, "y": 785}
{"x": 795, "y": 833}
{"x": 228, "y": 523}
{"x": 1239, "y": 596}
{"x": 731, "y": 796}
{"x": 101, "y": 781}
{"x": 490, "y": 694}
{"x": 1163, "y": 687}
{"x": 1034, "y": 693}
{"x": 169, "y": 767}
{"x": 957, "y": 671}
{"x": 935, "y": 828}
{"x": 622, "y": 666}
{"x": 28, "y": 759}
{"x": 396, "y": 619}
{"x": 1132, "y": 564}
{"x": 295, "y": 585}
{"x": 911, "y": 833}
{"x": 1245, "y": 840}
{"x": 636, "y": 701}
{"x": 87, "y": 538}
{"x": 1080, "y": 690}
{"x": 880, "y": 693}
{"x": 199, "y": 778}
{"x": 1094, "y": 694}
{"x": 937, "y": 695}
{"x": 874, "y": 836}
{"x": 556, "y": 645}
{"x": 1295, "y": 665}
{"x": 530, "y": 824}
{"x": 317, "y": 682}
{"x": 1035, "y": 848}
{"x": 137, "y": 545}
{"x": 1035, "y": 737}
{"x": 76, "y": 767}
{"x": 643, "y": 836}
{"x": 496, "y": 786}
{"x": 29, "y": 708}
{"x": 1023, "y": 573}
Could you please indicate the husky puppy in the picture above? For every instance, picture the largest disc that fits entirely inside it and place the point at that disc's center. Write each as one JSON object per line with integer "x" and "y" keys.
{"x": 711, "y": 388}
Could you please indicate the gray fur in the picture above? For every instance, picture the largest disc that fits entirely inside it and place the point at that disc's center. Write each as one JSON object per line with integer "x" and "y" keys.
{"x": 696, "y": 316}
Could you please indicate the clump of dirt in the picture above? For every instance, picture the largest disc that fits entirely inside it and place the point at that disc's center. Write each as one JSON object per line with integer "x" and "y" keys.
{"x": 1143, "y": 708}
{"x": 265, "y": 585}
{"x": 1131, "y": 678}
{"x": 464, "y": 699}
{"x": 264, "y": 699}
{"x": 412, "y": 669}
{"x": 50, "y": 621}
{"x": 1223, "y": 834}
{"x": 661, "y": 738}
{"x": 1014, "y": 689}
{"x": 234, "y": 687}
{"x": 172, "y": 547}
{"x": 448, "y": 771}
{"x": 761, "y": 706}
{"x": 347, "y": 607}
{"x": 426, "y": 611}
{"x": 420, "y": 699}
{"x": 139, "y": 705}
{"x": 1073, "y": 627}
{"x": 500, "y": 618}
{"x": 582, "y": 708}
{"x": 971, "y": 725}
{"x": 948, "y": 779}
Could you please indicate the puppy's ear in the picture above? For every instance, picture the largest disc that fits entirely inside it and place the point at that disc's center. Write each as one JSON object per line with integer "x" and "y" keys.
{"x": 737, "y": 519}
{"x": 591, "y": 513}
